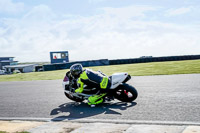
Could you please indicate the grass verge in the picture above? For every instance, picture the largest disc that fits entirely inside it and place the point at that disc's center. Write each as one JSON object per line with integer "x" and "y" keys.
{"x": 140, "y": 69}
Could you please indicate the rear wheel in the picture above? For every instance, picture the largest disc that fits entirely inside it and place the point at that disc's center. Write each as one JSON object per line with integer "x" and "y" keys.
{"x": 73, "y": 98}
{"x": 125, "y": 93}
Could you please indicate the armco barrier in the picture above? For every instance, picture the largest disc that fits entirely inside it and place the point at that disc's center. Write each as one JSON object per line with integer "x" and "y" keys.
{"x": 59, "y": 66}
{"x": 103, "y": 62}
{"x": 153, "y": 59}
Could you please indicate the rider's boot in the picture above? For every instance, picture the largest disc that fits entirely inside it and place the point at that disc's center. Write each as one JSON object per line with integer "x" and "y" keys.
{"x": 96, "y": 99}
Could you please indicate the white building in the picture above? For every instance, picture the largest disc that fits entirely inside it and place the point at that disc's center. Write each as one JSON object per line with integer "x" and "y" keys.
{"x": 22, "y": 68}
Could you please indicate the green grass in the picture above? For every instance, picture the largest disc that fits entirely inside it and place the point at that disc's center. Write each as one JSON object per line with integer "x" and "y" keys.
{"x": 140, "y": 69}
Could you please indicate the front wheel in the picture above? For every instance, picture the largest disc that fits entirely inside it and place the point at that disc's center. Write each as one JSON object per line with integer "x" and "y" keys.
{"x": 125, "y": 93}
{"x": 73, "y": 98}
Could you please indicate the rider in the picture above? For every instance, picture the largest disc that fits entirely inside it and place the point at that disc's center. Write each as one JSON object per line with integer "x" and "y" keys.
{"x": 89, "y": 77}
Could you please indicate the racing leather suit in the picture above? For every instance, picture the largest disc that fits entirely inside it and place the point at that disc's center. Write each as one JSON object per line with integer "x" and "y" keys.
{"x": 96, "y": 79}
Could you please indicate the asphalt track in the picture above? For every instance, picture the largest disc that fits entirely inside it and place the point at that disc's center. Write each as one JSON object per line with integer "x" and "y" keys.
{"x": 161, "y": 98}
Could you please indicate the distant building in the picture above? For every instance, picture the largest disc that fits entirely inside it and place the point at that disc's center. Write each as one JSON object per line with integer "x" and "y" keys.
{"x": 146, "y": 56}
{"x": 7, "y": 61}
{"x": 59, "y": 57}
{"x": 22, "y": 68}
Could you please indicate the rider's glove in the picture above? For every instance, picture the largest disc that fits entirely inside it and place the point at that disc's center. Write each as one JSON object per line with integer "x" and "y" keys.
{"x": 79, "y": 90}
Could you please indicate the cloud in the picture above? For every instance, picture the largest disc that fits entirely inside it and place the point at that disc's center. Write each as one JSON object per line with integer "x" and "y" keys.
{"x": 113, "y": 33}
{"x": 178, "y": 11}
{"x": 128, "y": 12}
{"x": 39, "y": 13}
{"x": 7, "y": 6}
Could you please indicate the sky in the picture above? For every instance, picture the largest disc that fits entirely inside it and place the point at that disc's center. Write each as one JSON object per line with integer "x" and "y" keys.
{"x": 98, "y": 29}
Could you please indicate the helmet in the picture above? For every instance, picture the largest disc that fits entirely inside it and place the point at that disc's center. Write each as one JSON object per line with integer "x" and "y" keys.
{"x": 76, "y": 70}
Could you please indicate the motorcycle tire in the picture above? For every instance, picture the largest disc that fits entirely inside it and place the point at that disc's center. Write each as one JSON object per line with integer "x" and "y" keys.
{"x": 125, "y": 93}
{"x": 73, "y": 98}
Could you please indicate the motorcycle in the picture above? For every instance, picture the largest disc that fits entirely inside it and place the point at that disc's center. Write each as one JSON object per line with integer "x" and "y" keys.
{"x": 119, "y": 89}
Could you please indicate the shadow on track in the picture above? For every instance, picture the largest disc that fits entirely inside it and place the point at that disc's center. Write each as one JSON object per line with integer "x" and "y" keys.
{"x": 75, "y": 110}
